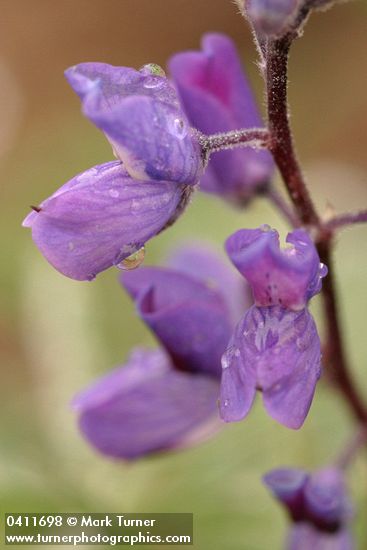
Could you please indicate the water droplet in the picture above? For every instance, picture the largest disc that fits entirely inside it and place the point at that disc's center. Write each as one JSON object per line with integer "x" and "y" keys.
{"x": 226, "y": 402}
{"x": 135, "y": 206}
{"x": 153, "y": 82}
{"x": 153, "y": 69}
{"x": 225, "y": 361}
{"x": 322, "y": 270}
{"x": 133, "y": 261}
{"x": 265, "y": 227}
{"x": 178, "y": 128}
{"x": 228, "y": 355}
{"x": 113, "y": 193}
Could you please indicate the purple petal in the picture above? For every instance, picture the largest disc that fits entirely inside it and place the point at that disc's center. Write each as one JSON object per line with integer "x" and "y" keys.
{"x": 140, "y": 114}
{"x": 114, "y": 84}
{"x": 206, "y": 264}
{"x": 289, "y": 364}
{"x": 190, "y": 319}
{"x": 326, "y": 498}
{"x": 287, "y": 485}
{"x": 305, "y": 537}
{"x": 281, "y": 350}
{"x": 217, "y": 98}
{"x": 287, "y": 277}
{"x": 99, "y": 218}
{"x": 146, "y": 406}
{"x": 238, "y": 384}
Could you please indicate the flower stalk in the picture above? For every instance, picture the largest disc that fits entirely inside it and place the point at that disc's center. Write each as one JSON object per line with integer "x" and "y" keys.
{"x": 282, "y": 148}
{"x": 257, "y": 138}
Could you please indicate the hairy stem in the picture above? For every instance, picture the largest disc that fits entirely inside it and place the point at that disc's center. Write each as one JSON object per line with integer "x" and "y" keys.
{"x": 257, "y": 138}
{"x": 281, "y": 141}
{"x": 342, "y": 220}
{"x": 281, "y": 145}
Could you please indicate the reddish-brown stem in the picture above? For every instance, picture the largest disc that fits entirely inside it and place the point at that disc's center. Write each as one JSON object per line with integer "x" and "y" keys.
{"x": 281, "y": 145}
{"x": 257, "y": 138}
{"x": 349, "y": 218}
{"x": 281, "y": 141}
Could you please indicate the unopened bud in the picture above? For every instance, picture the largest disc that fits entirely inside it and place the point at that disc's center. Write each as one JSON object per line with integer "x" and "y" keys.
{"x": 271, "y": 17}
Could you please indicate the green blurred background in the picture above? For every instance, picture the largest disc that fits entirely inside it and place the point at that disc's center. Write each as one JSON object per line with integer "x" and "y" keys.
{"x": 57, "y": 334}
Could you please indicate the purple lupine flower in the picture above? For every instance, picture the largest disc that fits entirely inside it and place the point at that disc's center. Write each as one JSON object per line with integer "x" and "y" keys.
{"x": 275, "y": 348}
{"x": 318, "y": 505}
{"x": 165, "y": 398}
{"x": 217, "y": 98}
{"x": 107, "y": 213}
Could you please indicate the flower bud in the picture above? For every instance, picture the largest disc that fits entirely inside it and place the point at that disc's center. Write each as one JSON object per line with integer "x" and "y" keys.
{"x": 272, "y": 18}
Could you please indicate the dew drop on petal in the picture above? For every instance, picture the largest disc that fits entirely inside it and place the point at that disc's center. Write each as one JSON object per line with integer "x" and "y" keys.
{"x": 302, "y": 244}
{"x": 178, "y": 128}
{"x": 154, "y": 82}
{"x": 228, "y": 356}
{"x": 133, "y": 261}
{"x": 135, "y": 206}
{"x": 226, "y": 403}
{"x": 265, "y": 227}
{"x": 225, "y": 361}
{"x": 152, "y": 69}
{"x": 322, "y": 270}
{"x": 114, "y": 193}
